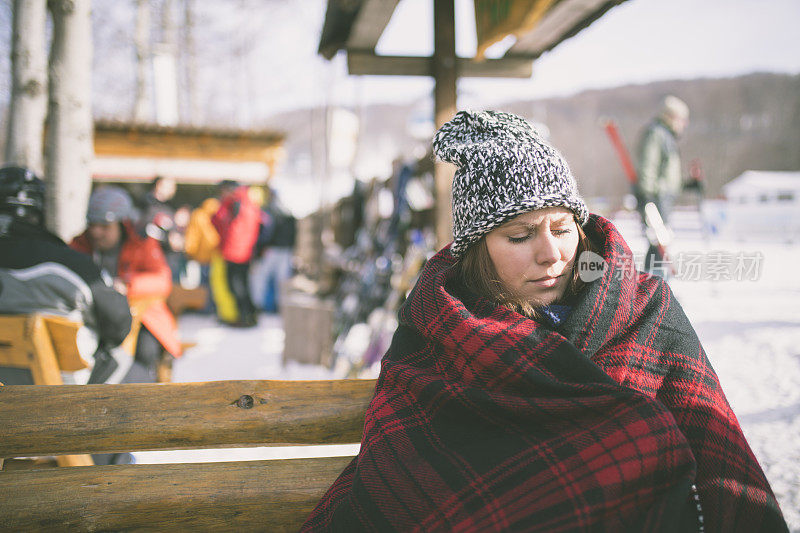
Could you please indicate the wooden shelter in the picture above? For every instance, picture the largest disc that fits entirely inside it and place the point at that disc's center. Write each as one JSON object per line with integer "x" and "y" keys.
{"x": 355, "y": 26}
{"x": 131, "y": 153}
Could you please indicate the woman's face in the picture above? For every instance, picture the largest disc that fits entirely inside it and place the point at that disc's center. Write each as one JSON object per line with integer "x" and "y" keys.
{"x": 534, "y": 253}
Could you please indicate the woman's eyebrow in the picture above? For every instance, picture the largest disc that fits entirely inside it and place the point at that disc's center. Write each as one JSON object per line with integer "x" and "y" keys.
{"x": 533, "y": 225}
{"x": 518, "y": 224}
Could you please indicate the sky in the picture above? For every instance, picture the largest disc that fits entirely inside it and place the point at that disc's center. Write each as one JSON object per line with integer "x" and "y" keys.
{"x": 276, "y": 66}
{"x": 637, "y": 42}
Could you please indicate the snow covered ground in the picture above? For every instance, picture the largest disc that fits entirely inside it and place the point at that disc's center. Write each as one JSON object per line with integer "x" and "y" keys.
{"x": 742, "y": 299}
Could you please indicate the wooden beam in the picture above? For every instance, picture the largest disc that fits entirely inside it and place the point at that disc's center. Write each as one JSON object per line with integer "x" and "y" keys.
{"x": 564, "y": 20}
{"x": 370, "y": 64}
{"x": 170, "y": 144}
{"x": 445, "y": 94}
{"x": 64, "y": 336}
{"x": 118, "y": 418}
{"x": 234, "y": 496}
{"x": 372, "y": 19}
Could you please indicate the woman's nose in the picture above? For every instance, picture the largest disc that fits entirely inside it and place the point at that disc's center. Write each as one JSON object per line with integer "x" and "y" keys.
{"x": 546, "y": 249}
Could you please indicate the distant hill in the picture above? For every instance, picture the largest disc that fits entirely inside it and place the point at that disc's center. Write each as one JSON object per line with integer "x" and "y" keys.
{"x": 736, "y": 124}
{"x": 741, "y": 123}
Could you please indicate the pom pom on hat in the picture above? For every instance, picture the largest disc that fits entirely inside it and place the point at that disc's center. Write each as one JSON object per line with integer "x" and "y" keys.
{"x": 504, "y": 168}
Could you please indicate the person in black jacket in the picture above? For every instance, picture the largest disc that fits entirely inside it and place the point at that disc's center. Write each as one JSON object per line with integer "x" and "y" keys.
{"x": 276, "y": 247}
{"x": 39, "y": 273}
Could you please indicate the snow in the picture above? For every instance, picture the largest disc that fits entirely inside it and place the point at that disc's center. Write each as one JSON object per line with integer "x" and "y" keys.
{"x": 749, "y": 327}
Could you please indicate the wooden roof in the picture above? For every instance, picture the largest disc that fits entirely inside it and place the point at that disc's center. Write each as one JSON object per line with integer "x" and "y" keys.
{"x": 147, "y": 140}
{"x": 355, "y": 26}
{"x": 126, "y": 152}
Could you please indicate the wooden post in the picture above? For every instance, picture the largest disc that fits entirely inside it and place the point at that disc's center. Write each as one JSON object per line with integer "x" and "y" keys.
{"x": 445, "y": 76}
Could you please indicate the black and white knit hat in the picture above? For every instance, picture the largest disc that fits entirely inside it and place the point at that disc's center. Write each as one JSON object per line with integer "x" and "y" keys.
{"x": 505, "y": 168}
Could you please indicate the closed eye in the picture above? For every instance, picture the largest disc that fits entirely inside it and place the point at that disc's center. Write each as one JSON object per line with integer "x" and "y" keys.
{"x": 522, "y": 238}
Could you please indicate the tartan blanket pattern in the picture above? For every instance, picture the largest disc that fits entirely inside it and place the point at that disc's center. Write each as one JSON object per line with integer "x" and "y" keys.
{"x": 484, "y": 420}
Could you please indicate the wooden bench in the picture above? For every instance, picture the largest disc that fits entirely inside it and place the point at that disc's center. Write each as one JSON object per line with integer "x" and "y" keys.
{"x": 268, "y": 495}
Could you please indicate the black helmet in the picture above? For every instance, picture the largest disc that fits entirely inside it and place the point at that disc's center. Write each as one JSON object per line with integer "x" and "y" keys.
{"x": 21, "y": 193}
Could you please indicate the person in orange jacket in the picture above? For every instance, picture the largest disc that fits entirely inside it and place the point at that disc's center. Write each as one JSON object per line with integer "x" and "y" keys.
{"x": 237, "y": 221}
{"x": 139, "y": 269}
{"x": 202, "y": 239}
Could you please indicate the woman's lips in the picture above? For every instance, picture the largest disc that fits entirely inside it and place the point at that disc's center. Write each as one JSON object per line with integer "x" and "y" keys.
{"x": 545, "y": 281}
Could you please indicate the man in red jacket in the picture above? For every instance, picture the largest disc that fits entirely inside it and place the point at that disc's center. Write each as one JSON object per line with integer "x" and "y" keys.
{"x": 139, "y": 269}
{"x": 237, "y": 223}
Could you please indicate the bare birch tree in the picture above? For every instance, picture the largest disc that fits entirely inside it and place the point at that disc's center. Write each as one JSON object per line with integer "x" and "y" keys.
{"x": 68, "y": 145}
{"x": 142, "y": 105}
{"x": 188, "y": 54}
{"x": 28, "y": 87}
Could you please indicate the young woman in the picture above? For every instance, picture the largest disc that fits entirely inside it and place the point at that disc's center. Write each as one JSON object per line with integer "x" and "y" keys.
{"x": 537, "y": 381}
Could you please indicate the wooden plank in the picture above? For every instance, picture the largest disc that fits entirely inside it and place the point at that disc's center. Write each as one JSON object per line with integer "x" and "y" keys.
{"x": 44, "y": 366}
{"x": 13, "y": 355}
{"x": 495, "y": 19}
{"x": 64, "y": 336}
{"x": 154, "y": 142}
{"x": 15, "y": 348}
{"x": 372, "y": 19}
{"x": 367, "y": 63}
{"x": 564, "y": 20}
{"x": 235, "y": 496}
{"x": 39, "y": 420}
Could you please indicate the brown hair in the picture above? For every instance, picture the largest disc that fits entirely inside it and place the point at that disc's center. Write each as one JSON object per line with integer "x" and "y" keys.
{"x": 476, "y": 271}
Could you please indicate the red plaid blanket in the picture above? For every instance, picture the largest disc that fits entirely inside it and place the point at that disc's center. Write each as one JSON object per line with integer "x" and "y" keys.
{"x": 484, "y": 420}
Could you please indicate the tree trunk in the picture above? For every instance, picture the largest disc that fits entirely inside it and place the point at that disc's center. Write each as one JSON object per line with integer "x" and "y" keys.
{"x": 192, "y": 113}
{"x": 29, "y": 81}
{"x": 68, "y": 145}
{"x": 142, "y": 106}
{"x": 165, "y": 80}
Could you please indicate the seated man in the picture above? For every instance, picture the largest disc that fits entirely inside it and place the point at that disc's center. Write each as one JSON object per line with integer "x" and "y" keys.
{"x": 139, "y": 269}
{"x": 39, "y": 273}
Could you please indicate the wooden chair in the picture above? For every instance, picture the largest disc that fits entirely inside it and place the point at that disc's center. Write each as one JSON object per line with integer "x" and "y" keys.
{"x": 271, "y": 495}
{"x": 181, "y": 299}
{"x": 44, "y": 346}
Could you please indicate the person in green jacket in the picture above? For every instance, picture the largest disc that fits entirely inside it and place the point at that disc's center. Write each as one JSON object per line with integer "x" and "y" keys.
{"x": 660, "y": 179}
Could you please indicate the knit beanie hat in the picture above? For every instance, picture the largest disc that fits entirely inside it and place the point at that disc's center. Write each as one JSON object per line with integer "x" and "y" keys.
{"x": 504, "y": 168}
{"x": 109, "y": 204}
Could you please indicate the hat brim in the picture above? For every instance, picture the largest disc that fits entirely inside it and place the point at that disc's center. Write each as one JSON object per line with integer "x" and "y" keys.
{"x": 480, "y": 228}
